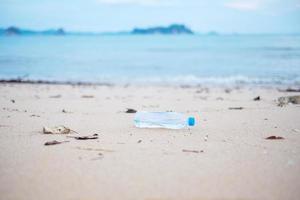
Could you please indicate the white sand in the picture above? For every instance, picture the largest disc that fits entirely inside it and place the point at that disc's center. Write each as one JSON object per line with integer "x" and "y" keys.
{"x": 236, "y": 162}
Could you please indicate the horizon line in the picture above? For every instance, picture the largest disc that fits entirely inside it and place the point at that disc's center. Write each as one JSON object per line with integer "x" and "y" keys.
{"x": 91, "y": 32}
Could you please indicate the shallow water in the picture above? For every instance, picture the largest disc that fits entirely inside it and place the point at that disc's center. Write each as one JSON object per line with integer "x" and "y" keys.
{"x": 197, "y": 59}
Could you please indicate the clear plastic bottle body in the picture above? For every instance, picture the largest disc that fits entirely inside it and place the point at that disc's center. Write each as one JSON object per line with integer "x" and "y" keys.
{"x": 169, "y": 120}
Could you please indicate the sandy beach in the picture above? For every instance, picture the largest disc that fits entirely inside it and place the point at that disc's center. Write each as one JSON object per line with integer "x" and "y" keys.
{"x": 225, "y": 156}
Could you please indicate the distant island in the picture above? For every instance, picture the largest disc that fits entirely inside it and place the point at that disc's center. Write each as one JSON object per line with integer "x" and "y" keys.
{"x": 12, "y": 31}
{"x": 173, "y": 29}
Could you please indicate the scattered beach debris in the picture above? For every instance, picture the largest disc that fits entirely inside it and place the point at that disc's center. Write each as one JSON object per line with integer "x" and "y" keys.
{"x": 87, "y": 96}
{"x": 100, "y": 156}
{"x": 170, "y": 111}
{"x": 13, "y": 101}
{"x": 54, "y": 142}
{"x": 235, "y": 108}
{"x": 87, "y": 137}
{"x": 139, "y": 141}
{"x": 65, "y": 111}
{"x": 290, "y": 90}
{"x": 227, "y": 91}
{"x": 130, "y": 110}
{"x": 34, "y": 115}
{"x": 296, "y": 130}
{"x": 192, "y": 151}
{"x": 55, "y": 96}
{"x": 206, "y": 138}
{"x": 273, "y": 137}
{"x": 201, "y": 90}
{"x": 56, "y": 130}
{"x": 95, "y": 149}
{"x": 256, "y": 98}
{"x": 13, "y": 110}
{"x": 282, "y": 101}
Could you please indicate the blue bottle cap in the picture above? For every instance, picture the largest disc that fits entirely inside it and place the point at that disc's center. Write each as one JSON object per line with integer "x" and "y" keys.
{"x": 191, "y": 121}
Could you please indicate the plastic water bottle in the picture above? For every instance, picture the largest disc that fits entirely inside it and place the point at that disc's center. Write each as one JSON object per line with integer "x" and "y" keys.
{"x": 169, "y": 120}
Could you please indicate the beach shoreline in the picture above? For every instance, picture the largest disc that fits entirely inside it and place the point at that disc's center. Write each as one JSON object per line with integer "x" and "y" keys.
{"x": 279, "y": 87}
{"x": 225, "y": 156}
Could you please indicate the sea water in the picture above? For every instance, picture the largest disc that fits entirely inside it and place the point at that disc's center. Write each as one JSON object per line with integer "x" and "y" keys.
{"x": 153, "y": 59}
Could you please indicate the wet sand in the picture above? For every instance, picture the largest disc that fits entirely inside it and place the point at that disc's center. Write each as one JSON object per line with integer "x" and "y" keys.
{"x": 225, "y": 156}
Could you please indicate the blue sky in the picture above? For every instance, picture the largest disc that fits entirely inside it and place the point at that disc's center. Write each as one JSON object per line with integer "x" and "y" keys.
{"x": 225, "y": 16}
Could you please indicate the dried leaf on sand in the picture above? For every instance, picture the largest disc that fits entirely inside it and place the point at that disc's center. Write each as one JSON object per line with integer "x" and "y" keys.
{"x": 88, "y": 137}
{"x": 54, "y": 142}
{"x": 274, "y": 138}
{"x": 56, "y": 130}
